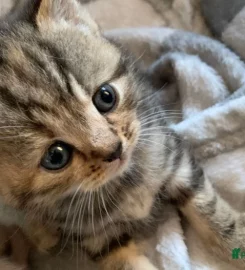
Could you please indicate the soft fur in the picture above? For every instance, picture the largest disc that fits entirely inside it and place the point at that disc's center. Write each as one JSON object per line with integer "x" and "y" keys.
{"x": 53, "y": 62}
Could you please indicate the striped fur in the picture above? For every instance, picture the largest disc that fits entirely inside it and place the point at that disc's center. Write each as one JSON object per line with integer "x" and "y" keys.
{"x": 51, "y": 64}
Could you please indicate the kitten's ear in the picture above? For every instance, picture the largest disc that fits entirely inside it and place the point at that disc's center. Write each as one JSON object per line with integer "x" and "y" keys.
{"x": 63, "y": 12}
{"x": 50, "y": 13}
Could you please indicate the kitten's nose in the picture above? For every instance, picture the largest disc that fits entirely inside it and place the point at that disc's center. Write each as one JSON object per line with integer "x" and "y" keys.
{"x": 116, "y": 154}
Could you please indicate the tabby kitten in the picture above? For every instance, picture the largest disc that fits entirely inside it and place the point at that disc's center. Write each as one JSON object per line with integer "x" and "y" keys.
{"x": 84, "y": 143}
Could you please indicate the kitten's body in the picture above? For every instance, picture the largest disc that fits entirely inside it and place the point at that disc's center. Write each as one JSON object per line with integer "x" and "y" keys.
{"x": 50, "y": 74}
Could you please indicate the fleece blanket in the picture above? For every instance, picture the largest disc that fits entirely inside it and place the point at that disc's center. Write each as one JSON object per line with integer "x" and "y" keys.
{"x": 226, "y": 21}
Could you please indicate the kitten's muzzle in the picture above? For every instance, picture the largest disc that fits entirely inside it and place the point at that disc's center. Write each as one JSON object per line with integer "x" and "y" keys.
{"x": 116, "y": 154}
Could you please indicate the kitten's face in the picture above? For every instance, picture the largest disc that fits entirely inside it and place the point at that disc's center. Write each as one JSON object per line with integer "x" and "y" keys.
{"x": 68, "y": 111}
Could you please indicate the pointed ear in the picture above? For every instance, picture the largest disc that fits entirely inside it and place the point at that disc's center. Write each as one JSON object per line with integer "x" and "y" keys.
{"x": 63, "y": 12}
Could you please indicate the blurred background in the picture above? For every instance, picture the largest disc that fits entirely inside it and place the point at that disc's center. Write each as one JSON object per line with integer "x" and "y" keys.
{"x": 110, "y": 14}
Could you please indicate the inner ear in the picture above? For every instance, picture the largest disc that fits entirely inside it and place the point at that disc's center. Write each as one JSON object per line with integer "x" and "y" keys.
{"x": 69, "y": 11}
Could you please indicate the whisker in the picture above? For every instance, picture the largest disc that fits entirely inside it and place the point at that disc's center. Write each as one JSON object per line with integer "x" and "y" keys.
{"x": 153, "y": 142}
{"x": 13, "y": 137}
{"x": 83, "y": 212}
{"x": 108, "y": 215}
{"x": 150, "y": 96}
{"x": 67, "y": 216}
{"x": 164, "y": 116}
{"x": 112, "y": 201}
{"x": 93, "y": 214}
{"x": 79, "y": 227}
{"x": 6, "y": 127}
{"x": 159, "y": 107}
{"x": 102, "y": 220}
{"x": 137, "y": 59}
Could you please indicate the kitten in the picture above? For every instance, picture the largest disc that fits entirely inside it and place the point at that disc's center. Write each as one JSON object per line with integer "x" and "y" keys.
{"x": 84, "y": 143}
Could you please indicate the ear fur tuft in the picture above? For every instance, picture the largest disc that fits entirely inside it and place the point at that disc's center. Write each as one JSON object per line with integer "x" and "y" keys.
{"x": 69, "y": 11}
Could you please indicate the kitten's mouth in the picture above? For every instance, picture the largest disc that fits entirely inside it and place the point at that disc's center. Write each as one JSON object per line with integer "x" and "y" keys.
{"x": 118, "y": 165}
{"x": 119, "y": 161}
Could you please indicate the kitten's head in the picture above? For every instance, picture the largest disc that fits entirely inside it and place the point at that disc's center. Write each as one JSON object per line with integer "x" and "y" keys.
{"x": 67, "y": 102}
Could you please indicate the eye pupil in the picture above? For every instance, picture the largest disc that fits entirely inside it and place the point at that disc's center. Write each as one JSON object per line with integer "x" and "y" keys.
{"x": 105, "y": 98}
{"x": 57, "y": 156}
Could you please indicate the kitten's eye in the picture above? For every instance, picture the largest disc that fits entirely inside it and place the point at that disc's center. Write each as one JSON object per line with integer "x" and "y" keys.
{"x": 105, "y": 98}
{"x": 57, "y": 157}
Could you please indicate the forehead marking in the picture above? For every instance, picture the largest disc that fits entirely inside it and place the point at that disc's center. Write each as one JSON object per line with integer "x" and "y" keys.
{"x": 77, "y": 90}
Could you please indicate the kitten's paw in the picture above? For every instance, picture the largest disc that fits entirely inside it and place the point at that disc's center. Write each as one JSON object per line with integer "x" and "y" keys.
{"x": 127, "y": 258}
{"x": 140, "y": 263}
{"x": 14, "y": 246}
{"x": 186, "y": 182}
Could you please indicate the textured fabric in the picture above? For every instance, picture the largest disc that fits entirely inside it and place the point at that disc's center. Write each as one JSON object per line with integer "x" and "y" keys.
{"x": 5, "y": 6}
{"x": 219, "y": 13}
{"x": 234, "y": 34}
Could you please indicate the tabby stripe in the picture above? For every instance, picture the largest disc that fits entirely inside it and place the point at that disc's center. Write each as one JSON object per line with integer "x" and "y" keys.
{"x": 197, "y": 178}
{"x": 11, "y": 100}
{"x": 210, "y": 207}
{"x": 119, "y": 71}
{"x": 172, "y": 157}
{"x": 178, "y": 154}
{"x": 43, "y": 66}
{"x": 132, "y": 179}
{"x": 230, "y": 228}
{"x": 167, "y": 150}
{"x": 47, "y": 190}
{"x": 14, "y": 103}
{"x": 60, "y": 64}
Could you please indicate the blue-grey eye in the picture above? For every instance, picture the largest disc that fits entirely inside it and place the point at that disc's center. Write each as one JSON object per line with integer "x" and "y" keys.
{"x": 57, "y": 156}
{"x": 105, "y": 98}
